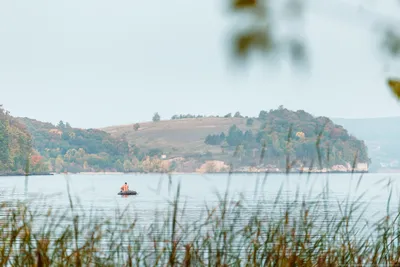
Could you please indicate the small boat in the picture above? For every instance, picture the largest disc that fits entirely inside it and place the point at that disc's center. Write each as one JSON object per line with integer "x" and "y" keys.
{"x": 127, "y": 193}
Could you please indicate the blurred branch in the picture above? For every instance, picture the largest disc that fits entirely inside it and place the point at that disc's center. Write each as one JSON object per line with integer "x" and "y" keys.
{"x": 265, "y": 16}
{"x": 391, "y": 42}
{"x": 394, "y": 85}
{"x": 258, "y": 36}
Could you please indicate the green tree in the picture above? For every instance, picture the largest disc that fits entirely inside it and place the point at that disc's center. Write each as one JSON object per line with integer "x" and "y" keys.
{"x": 4, "y": 146}
{"x": 155, "y": 152}
{"x": 61, "y": 125}
{"x": 235, "y": 136}
{"x": 156, "y": 117}
{"x": 128, "y": 166}
{"x": 248, "y": 136}
{"x": 136, "y": 126}
{"x": 71, "y": 155}
{"x": 215, "y": 139}
{"x": 85, "y": 165}
{"x": 119, "y": 166}
{"x": 229, "y": 115}
{"x": 173, "y": 166}
{"x": 239, "y": 152}
{"x": 249, "y": 122}
{"x": 263, "y": 115}
{"x": 336, "y": 141}
{"x": 237, "y": 115}
{"x": 59, "y": 164}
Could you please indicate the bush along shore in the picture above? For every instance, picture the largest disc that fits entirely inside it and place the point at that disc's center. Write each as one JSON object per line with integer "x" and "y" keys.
{"x": 234, "y": 232}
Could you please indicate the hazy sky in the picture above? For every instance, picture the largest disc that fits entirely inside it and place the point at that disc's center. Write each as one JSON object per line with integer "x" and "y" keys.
{"x": 97, "y": 63}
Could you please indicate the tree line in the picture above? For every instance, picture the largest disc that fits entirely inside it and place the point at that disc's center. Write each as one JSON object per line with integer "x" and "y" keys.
{"x": 296, "y": 134}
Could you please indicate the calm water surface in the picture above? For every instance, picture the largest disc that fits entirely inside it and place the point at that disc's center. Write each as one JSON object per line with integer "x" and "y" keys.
{"x": 99, "y": 192}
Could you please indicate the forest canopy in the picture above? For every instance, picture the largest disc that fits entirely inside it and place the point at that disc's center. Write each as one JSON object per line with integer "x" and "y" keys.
{"x": 298, "y": 135}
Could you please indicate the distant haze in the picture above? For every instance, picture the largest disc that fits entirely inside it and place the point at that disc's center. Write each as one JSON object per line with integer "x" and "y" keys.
{"x": 380, "y": 135}
{"x": 373, "y": 129}
{"x": 97, "y": 63}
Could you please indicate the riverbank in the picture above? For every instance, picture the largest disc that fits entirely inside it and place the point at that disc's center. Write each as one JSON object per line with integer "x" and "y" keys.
{"x": 182, "y": 173}
{"x": 24, "y": 174}
{"x": 225, "y": 172}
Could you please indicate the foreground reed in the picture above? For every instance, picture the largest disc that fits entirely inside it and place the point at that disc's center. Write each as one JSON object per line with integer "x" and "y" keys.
{"x": 235, "y": 232}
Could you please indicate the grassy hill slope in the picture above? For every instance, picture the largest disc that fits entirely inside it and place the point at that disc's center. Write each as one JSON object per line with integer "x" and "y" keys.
{"x": 233, "y": 139}
{"x": 183, "y": 135}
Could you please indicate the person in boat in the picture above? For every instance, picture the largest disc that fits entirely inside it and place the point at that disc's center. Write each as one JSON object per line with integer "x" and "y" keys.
{"x": 125, "y": 187}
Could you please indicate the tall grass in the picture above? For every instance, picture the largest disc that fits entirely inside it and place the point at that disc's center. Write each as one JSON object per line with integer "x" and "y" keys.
{"x": 237, "y": 231}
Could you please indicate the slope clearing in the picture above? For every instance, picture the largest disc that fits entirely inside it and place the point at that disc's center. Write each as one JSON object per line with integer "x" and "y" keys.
{"x": 178, "y": 136}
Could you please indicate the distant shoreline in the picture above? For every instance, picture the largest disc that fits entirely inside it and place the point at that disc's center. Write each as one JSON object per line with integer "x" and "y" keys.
{"x": 227, "y": 172}
{"x": 182, "y": 173}
{"x": 23, "y": 174}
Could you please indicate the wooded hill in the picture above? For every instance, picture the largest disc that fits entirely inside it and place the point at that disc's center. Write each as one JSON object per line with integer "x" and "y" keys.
{"x": 243, "y": 141}
{"x": 274, "y": 136}
{"x": 15, "y": 144}
{"x": 65, "y": 148}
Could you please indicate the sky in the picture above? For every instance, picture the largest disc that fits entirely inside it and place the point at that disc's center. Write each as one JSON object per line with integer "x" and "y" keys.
{"x": 97, "y": 63}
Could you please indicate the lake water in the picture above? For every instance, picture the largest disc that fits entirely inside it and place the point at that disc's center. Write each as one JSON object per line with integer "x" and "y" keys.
{"x": 267, "y": 196}
{"x": 99, "y": 192}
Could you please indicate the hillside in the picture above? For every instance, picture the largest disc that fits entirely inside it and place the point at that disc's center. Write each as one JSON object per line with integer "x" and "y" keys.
{"x": 15, "y": 145}
{"x": 185, "y": 143}
{"x": 382, "y": 136}
{"x": 243, "y": 141}
{"x": 178, "y": 136}
{"x": 65, "y": 148}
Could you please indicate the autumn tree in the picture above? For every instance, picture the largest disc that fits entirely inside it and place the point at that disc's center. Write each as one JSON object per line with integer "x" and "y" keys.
{"x": 35, "y": 159}
{"x": 128, "y": 166}
{"x": 59, "y": 164}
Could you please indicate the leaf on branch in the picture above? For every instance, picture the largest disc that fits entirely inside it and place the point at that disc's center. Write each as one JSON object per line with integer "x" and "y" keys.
{"x": 394, "y": 85}
{"x": 240, "y": 4}
{"x": 252, "y": 40}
